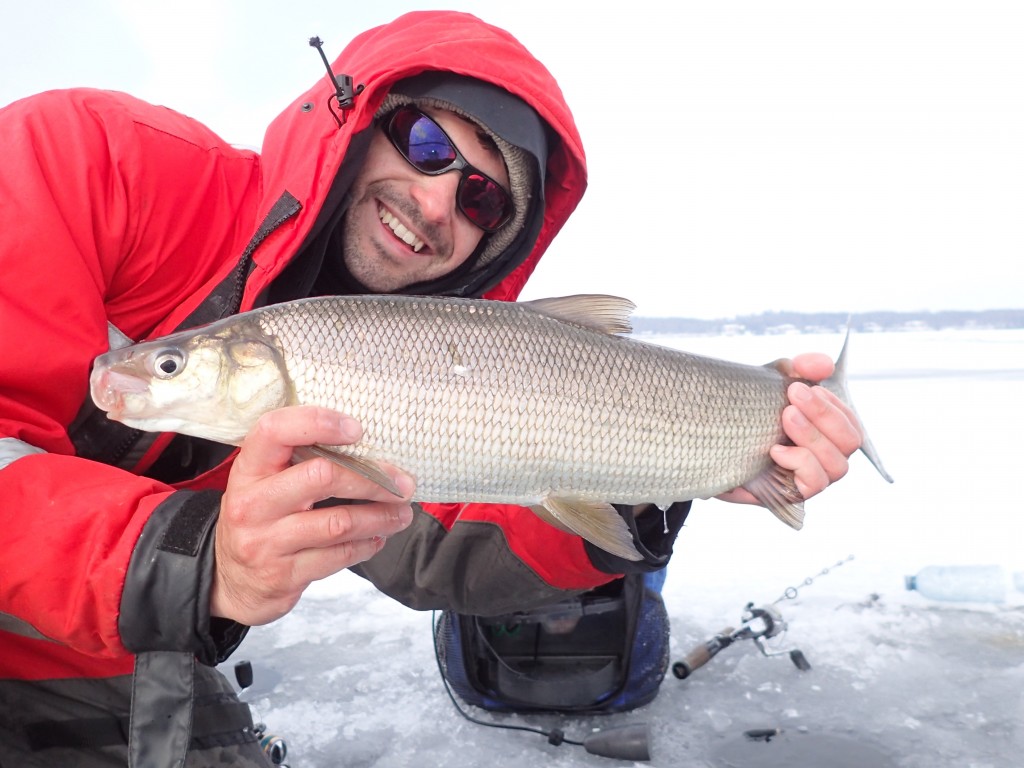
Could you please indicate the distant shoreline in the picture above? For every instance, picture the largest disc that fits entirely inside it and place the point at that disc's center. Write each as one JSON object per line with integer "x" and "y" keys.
{"x": 772, "y": 323}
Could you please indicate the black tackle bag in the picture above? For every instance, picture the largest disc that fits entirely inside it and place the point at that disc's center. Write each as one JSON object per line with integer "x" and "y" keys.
{"x": 603, "y": 651}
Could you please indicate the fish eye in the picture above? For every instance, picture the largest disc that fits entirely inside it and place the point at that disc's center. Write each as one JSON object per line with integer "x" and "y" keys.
{"x": 168, "y": 363}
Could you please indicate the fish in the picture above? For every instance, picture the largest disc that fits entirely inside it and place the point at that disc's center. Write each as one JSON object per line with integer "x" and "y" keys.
{"x": 549, "y": 404}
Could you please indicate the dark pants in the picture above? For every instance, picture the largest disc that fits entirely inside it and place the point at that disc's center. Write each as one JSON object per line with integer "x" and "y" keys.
{"x": 84, "y": 723}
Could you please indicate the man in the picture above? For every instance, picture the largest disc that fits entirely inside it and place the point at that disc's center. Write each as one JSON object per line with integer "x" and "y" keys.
{"x": 129, "y": 557}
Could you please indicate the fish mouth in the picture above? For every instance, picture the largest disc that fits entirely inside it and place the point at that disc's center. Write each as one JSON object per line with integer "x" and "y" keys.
{"x": 109, "y": 387}
{"x": 400, "y": 231}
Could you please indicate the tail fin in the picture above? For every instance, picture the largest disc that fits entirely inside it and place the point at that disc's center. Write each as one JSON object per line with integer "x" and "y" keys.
{"x": 836, "y": 384}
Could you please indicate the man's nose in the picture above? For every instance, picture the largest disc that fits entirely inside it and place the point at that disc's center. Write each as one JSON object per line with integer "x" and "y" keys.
{"x": 435, "y": 196}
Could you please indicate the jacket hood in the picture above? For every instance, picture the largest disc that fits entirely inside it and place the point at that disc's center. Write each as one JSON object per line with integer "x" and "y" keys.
{"x": 307, "y": 154}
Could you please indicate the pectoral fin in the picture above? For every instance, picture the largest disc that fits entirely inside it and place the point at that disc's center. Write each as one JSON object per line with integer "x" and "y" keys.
{"x": 596, "y": 521}
{"x": 776, "y": 489}
{"x": 363, "y": 467}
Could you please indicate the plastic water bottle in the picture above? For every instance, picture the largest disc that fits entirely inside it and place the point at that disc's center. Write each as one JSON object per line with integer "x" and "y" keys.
{"x": 968, "y": 583}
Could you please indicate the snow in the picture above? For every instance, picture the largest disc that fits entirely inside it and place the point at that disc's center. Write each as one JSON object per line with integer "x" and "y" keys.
{"x": 349, "y": 677}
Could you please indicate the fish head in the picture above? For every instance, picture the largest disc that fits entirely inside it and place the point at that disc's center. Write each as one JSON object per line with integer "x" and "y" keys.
{"x": 213, "y": 384}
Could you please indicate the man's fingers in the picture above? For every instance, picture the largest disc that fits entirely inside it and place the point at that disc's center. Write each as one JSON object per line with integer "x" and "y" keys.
{"x": 262, "y": 570}
{"x": 813, "y": 366}
{"x": 269, "y": 446}
{"x": 809, "y": 474}
{"x": 270, "y": 540}
{"x": 824, "y": 435}
{"x": 327, "y": 527}
{"x": 821, "y": 421}
{"x": 298, "y": 486}
{"x": 321, "y": 478}
{"x": 322, "y": 542}
{"x": 825, "y": 431}
{"x": 311, "y": 565}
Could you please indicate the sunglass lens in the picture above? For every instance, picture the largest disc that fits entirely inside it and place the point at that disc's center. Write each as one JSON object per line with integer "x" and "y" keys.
{"x": 484, "y": 202}
{"x": 421, "y": 140}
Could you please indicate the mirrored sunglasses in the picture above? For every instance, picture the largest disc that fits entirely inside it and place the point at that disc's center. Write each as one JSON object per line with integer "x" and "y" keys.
{"x": 429, "y": 150}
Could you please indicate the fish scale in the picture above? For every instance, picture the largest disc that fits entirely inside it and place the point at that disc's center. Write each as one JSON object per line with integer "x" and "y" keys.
{"x": 597, "y": 416}
{"x": 538, "y": 403}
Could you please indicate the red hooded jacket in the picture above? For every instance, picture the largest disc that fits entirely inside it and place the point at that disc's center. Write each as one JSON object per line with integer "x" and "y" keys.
{"x": 123, "y": 213}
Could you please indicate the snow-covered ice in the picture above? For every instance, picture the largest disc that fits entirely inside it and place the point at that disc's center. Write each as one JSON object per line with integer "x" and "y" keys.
{"x": 349, "y": 678}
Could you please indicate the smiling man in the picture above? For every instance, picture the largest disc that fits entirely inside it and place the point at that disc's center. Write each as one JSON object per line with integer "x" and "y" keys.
{"x": 448, "y": 199}
{"x": 414, "y": 169}
{"x": 421, "y": 237}
{"x": 439, "y": 157}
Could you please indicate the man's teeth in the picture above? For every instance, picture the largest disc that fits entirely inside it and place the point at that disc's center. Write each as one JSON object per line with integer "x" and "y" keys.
{"x": 400, "y": 231}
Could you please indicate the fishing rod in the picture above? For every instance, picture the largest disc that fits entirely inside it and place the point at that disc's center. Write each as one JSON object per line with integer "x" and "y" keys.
{"x": 756, "y": 623}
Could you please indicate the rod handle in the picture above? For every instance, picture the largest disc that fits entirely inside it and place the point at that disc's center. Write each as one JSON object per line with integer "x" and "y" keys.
{"x": 702, "y": 654}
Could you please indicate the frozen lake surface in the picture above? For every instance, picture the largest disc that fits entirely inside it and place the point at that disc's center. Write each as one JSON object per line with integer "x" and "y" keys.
{"x": 896, "y": 679}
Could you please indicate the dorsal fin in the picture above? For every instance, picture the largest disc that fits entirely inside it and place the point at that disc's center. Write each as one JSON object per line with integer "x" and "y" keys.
{"x": 597, "y": 311}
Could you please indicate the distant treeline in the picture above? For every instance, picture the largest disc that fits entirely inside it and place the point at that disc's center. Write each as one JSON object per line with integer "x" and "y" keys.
{"x": 803, "y": 322}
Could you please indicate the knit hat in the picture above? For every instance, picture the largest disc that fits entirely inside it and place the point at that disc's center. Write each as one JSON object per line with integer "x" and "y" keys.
{"x": 516, "y": 129}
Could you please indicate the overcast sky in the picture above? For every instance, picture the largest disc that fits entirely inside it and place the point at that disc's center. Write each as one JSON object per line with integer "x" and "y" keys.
{"x": 744, "y": 156}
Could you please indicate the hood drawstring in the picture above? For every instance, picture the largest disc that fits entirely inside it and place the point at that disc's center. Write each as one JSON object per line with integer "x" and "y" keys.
{"x": 343, "y": 90}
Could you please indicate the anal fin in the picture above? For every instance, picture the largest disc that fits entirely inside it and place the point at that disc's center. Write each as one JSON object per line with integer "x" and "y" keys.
{"x": 596, "y": 521}
{"x": 776, "y": 489}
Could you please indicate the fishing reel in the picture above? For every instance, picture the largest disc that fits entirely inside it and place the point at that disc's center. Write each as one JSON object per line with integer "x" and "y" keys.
{"x": 273, "y": 746}
{"x": 757, "y": 624}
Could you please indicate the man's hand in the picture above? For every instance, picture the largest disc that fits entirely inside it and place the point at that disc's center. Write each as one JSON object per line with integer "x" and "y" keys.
{"x": 825, "y": 432}
{"x": 270, "y": 543}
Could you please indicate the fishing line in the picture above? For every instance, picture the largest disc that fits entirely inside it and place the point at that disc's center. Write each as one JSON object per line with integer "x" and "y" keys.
{"x": 791, "y": 593}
